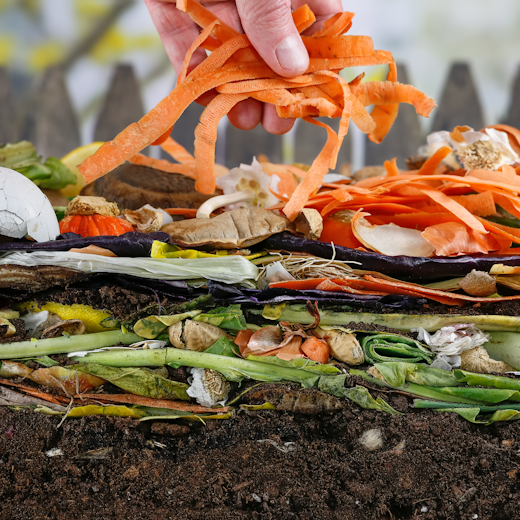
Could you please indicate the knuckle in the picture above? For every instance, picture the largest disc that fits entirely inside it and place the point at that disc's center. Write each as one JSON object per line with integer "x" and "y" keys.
{"x": 266, "y": 13}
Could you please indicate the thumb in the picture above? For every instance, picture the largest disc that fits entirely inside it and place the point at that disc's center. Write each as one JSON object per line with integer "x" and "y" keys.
{"x": 271, "y": 30}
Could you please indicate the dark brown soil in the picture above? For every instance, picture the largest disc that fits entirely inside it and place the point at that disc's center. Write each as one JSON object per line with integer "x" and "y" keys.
{"x": 303, "y": 460}
{"x": 267, "y": 464}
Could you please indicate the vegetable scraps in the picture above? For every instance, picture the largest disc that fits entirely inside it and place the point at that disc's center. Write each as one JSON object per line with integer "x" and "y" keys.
{"x": 235, "y": 70}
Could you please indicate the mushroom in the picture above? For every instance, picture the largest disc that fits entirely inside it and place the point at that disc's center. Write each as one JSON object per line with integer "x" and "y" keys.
{"x": 309, "y": 223}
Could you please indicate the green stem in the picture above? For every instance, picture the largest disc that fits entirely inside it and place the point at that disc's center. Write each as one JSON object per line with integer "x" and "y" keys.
{"x": 420, "y": 403}
{"x": 66, "y": 344}
{"x": 234, "y": 369}
{"x": 415, "y": 389}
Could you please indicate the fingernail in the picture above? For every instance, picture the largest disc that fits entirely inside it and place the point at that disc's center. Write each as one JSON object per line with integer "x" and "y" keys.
{"x": 292, "y": 54}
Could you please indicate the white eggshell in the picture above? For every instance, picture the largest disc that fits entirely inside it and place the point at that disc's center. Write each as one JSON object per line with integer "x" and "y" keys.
{"x": 24, "y": 209}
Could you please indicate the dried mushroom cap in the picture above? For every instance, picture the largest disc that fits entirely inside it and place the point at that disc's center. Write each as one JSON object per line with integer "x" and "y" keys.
{"x": 309, "y": 223}
{"x": 239, "y": 228}
{"x": 194, "y": 335}
{"x": 84, "y": 205}
{"x": 69, "y": 327}
{"x": 147, "y": 219}
{"x": 477, "y": 360}
{"x": 344, "y": 346}
{"x": 208, "y": 387}
{"x": 478, "y": 283}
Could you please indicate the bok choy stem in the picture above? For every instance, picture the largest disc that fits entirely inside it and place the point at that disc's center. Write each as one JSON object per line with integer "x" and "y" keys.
{"x": 66, "y": 344}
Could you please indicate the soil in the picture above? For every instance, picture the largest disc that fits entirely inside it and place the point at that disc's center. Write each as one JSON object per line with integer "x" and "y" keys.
{"x": 303, "y": 460}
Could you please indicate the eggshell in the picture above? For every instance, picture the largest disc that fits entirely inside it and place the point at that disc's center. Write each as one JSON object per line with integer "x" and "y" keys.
{"x": 24, "y": 209}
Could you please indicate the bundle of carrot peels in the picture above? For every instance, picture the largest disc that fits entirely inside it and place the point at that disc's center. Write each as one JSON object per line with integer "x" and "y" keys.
{"x": 237, "y": 72}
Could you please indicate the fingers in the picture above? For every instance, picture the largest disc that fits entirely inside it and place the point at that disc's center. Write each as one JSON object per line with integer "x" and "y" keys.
{"x": 246, "y": 115}
{"x": 270, "y": 27}
{"x": 274, "y": 124}
{"x": 176, "y": 31}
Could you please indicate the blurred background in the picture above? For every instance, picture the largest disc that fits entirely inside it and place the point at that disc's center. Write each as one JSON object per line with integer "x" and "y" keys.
{"x": 88, "y": 37}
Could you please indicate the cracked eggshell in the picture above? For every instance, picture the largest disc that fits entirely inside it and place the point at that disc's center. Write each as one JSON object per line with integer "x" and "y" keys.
{"x": 24, "y": 209}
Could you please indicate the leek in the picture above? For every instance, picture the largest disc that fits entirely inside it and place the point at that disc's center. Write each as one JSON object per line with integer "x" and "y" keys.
{"x": 226, "y": 269}
{"x": 65, "y": 344}
{"x": 405, "y": 322}
{"x": 392, "y": 347}
{"x": 233, "y": 369}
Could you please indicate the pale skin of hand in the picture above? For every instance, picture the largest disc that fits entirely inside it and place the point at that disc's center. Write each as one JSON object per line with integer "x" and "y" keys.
{"x": 271, "y": 30}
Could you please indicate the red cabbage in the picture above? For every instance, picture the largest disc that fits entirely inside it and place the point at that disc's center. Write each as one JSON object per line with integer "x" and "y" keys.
{"x": 130, "y": 244}
{"x": 402, "y": 267}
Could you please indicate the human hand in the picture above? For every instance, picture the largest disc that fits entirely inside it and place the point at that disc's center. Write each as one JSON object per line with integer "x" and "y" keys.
{"x": 271, "y": 30}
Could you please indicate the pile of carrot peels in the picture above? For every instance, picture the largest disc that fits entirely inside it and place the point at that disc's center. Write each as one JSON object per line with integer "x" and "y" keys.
{"x": 448, "y": 208}
{"x": 237, "y": 72}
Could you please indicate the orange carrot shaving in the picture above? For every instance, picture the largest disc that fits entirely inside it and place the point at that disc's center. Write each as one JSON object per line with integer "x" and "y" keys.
{"x": 333, "y": 46}
{"x": 155, "y": 403}
{"x": 163, "y": 165}
{"x": 189, "y": 212}
{"x": 384, "y": 115}
{"x": 391, "y": 167}
{"x": 389, "y": 93}
{"x": 193, "y": 47}
{"x": 303, "y": 18}
{"x": 316, "y": 349}
{"x": 177, "y": 151}
{"x": 457, "y": 209}
{"x": 314, "y": 176}
{"x": 206, "y": 136}
{"x": 337, "y": 24}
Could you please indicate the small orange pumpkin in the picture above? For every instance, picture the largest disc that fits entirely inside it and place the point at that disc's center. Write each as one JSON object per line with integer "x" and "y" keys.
{"x": 95, "y": 225}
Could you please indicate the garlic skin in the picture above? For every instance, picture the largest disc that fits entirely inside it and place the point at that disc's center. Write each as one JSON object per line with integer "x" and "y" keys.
{"x": 24, "y": 209}
{"x": 208, "y": 387}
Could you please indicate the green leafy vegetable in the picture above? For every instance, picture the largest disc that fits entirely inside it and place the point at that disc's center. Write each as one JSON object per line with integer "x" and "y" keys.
{"x": 504, "y": 346}
{"x": 470, "y": 414}
{"x": 472, "y": 379}
{"x": 138, "y": 381}
{"x": 152, "y": 326}
{"x": 396, "y": 374}
{"x": 229, "y": 318}
{"x": 379, "y": 348}
{"x": 335, "y": 385}
{"x": 23, "y": 158}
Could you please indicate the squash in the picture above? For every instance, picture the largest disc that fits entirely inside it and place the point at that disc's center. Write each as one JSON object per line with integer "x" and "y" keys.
{"x": 95, "y": 225}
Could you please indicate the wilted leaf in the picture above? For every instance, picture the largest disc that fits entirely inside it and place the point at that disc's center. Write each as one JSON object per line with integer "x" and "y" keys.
{"x": 113, "y": 411}
{"x": 152, "y": 326}
{"x": 139, "y": 381}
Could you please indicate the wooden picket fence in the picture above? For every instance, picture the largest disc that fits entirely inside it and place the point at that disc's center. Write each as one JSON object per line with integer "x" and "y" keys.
{"x": 47, "y": 118}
